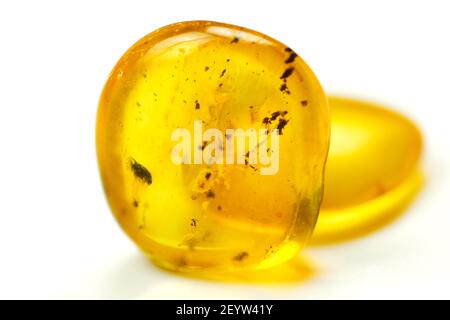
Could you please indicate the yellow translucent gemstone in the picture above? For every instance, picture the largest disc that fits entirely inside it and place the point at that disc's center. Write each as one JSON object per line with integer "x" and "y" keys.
{"x": 212, "y": 215}
{"x": 372, "y": 169}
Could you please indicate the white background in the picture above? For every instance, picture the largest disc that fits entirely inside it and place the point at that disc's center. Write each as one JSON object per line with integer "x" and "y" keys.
{"x": 57, "y": 236}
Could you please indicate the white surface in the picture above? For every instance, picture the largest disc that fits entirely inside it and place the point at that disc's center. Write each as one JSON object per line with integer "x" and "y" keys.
{"x": 57, "y": 236}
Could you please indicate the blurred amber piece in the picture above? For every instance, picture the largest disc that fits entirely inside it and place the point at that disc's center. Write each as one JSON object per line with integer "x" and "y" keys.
{"x": 225, "y": 216}
{"x": 372, "y": 169}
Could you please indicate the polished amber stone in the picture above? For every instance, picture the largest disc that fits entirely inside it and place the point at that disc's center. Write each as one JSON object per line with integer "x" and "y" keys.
{"x": 212, "y": 215}
{"x": 372, "y": 172}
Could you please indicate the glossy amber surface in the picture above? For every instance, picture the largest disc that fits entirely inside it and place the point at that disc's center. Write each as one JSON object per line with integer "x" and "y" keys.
{"x": 372, "y": 171}
{"x": 212, "y": 215}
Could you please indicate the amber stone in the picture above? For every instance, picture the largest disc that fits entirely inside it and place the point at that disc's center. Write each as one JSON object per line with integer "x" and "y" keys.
{"x": 213, "y": 214}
